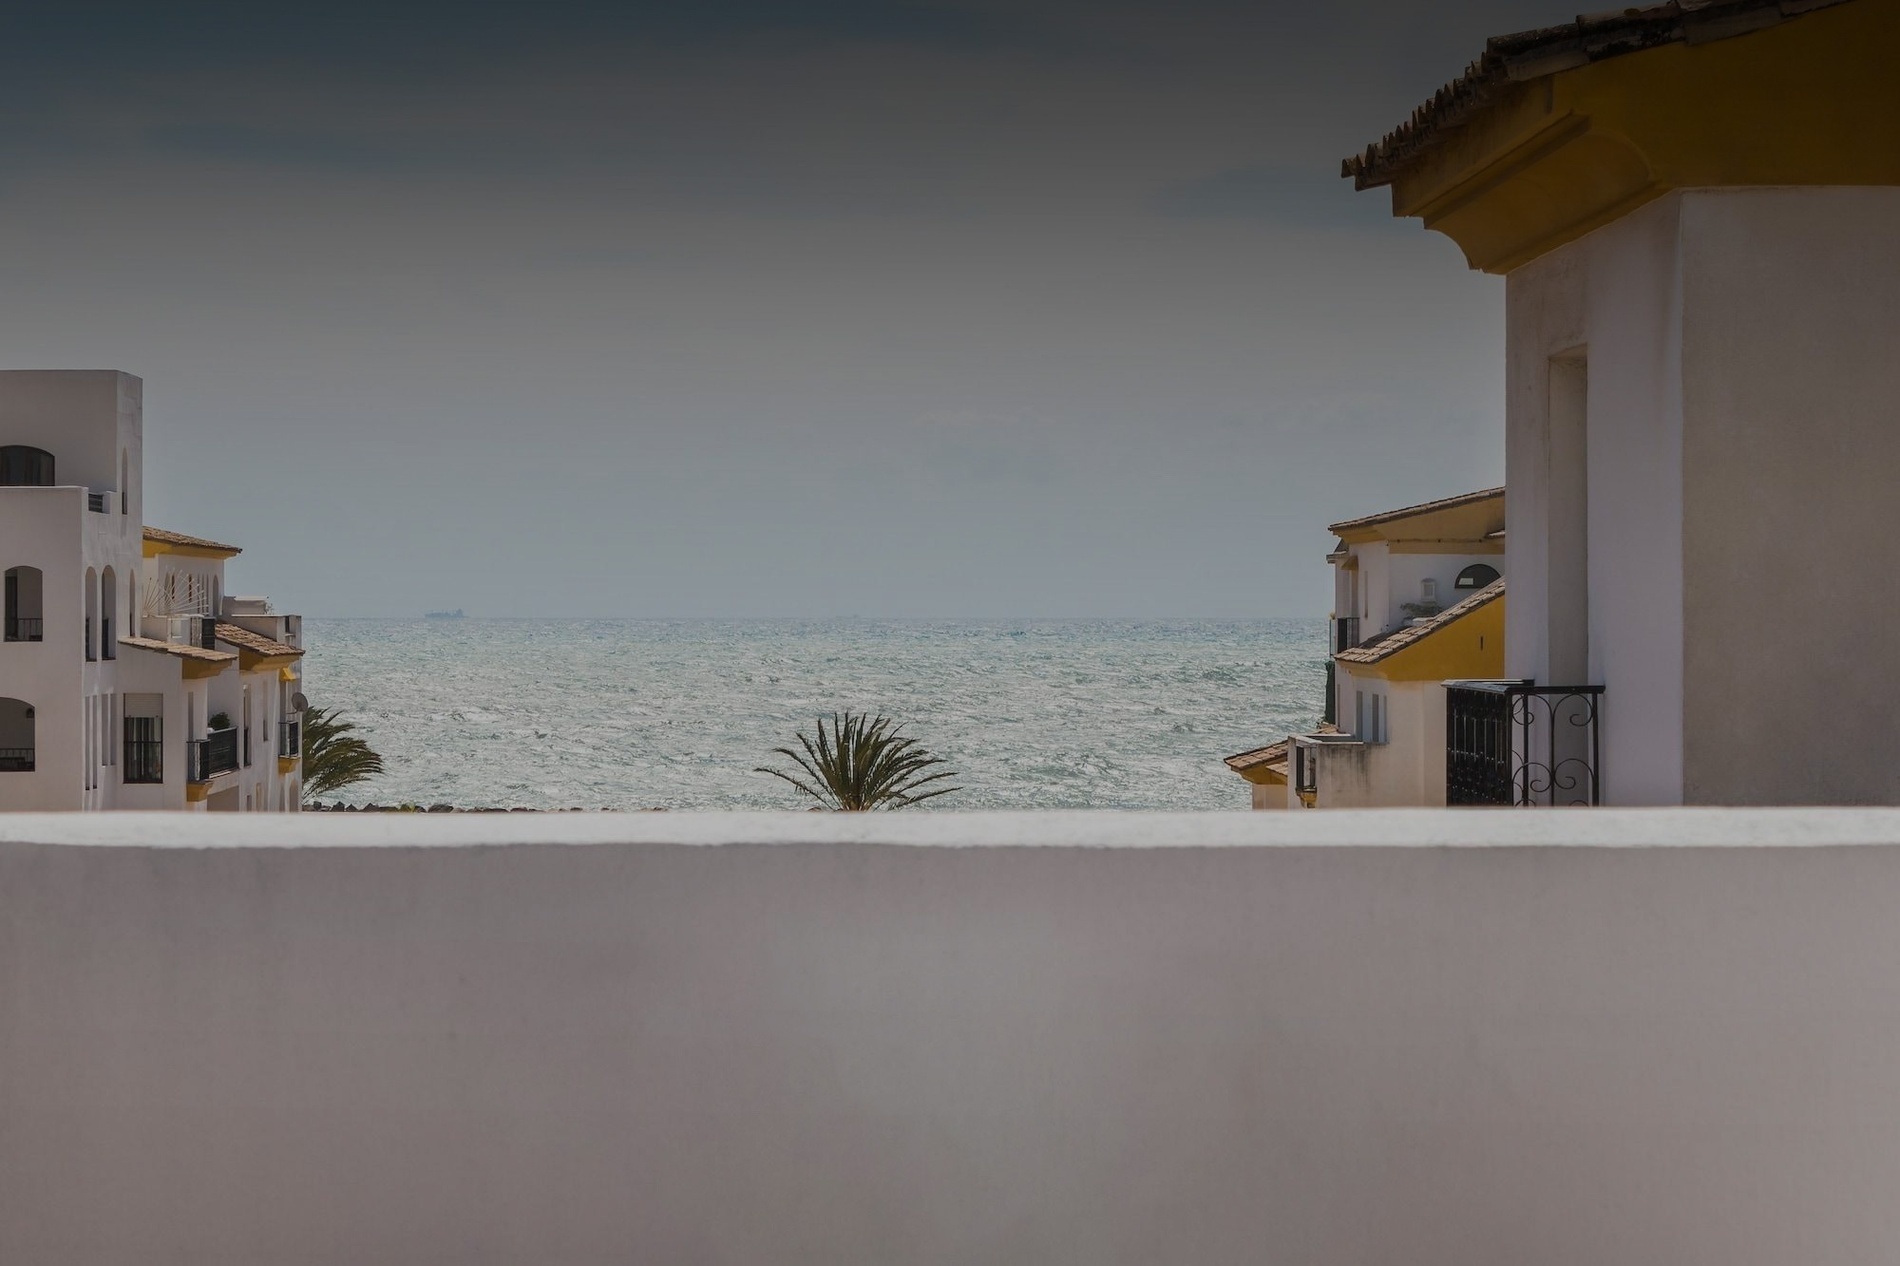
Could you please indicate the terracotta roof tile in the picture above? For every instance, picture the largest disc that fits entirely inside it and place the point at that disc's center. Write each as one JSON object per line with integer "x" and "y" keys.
{"x": 165, "y": 537}
{"x": 1428, "y": 507}
{"x": 238, "y": 635}
{"x": 1396, "y": 641}
{"x": 1534, "y": 54}
{"x": 1271, "y": 754}
{"x": 179, "y": 649}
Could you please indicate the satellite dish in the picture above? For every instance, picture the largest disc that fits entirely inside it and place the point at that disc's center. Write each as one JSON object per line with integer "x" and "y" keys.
{"x": 298, "y": 703}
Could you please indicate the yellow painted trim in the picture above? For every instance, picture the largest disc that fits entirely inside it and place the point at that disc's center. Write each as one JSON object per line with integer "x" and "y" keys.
{"x": 250, "y": 661}
{"x": 197, "y": 792}
{"x": 286, "y": 673}
{"x": 1469, "y": 648}
{"x": 154, "y": 548}
{"x": 286, "y": 764}
{"x": 1445, "y": 547}
{"x": 200, "y": 669}
{"x": 1812, "y": 100}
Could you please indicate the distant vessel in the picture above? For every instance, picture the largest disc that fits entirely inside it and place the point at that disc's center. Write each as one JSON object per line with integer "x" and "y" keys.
{"x": 443, "y": 615}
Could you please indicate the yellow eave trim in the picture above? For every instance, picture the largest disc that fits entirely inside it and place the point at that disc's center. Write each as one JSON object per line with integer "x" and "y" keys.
{"x": 154, "y": 548}
{"x": 285, "y": 764}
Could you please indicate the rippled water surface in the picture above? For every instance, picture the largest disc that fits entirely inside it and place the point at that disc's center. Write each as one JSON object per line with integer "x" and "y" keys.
{"x": 643, "y": 714}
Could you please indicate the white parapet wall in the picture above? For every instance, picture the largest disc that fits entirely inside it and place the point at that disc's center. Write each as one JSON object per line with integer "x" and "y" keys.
{"x": 1560, "y": 1038}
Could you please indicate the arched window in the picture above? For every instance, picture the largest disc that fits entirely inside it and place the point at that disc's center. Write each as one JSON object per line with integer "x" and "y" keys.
{"x": 92, "y": 613}
{"x": 22, "y": 466}
{"x": 25, "y": 587}
{"x": 108, "y": 615}
{"x": 1476, "y": 576}
{"x": 16, "y": 736}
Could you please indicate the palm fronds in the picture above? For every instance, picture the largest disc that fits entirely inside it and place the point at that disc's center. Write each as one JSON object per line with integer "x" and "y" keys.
{"x": 862, "y": 762}
{"x": 333, "y": 757}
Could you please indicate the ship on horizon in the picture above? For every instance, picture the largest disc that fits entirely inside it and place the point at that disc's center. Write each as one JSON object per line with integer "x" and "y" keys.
{"x": 443, "y": 615}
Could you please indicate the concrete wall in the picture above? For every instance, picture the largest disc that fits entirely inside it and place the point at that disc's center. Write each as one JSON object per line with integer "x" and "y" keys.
{"x": 1405, "y": 771}
{"x": 473, "y": 1045}
{"x": 1791, "y": 446}
{"x": 80, "y": 416}
{"x": 41, "y": 527}
{"x": 1611, "y": 299}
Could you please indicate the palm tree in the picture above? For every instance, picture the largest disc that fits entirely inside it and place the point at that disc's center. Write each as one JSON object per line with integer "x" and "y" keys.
{"x": 862, "y": 762}
{"x": 333, "y": 757}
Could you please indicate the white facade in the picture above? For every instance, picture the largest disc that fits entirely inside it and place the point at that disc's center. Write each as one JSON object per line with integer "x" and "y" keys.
{"x": 1702, "y": 439}
{"x": 121, "y": 647}
{"x": 1626, "y": 1038}
{"x": 1391, "y": 572}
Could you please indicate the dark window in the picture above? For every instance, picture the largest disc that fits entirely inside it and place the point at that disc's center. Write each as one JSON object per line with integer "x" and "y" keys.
{"x": 1476, "y": 576}
{"x": 144, "y": 749}
{"x": 24, "y": 467}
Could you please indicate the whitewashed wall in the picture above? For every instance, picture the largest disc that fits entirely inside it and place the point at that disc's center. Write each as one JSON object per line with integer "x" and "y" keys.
{"x": 1741, "y": 450}
{"x": 1241, "y": 1038}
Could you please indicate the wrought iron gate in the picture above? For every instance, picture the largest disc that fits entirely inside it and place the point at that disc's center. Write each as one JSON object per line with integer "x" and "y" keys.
{"x": 1518, "y": 743}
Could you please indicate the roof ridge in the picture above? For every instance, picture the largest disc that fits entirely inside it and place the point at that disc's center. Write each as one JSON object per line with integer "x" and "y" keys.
{"x": 1423, "y": 507}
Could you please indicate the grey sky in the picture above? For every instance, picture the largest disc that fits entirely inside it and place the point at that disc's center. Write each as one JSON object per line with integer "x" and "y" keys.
{"x": 750, "y": 309}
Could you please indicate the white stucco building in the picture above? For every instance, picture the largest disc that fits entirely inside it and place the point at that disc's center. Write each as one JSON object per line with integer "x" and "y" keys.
{"x": 129, "y": 679}
{"x": 1418, "y": 598}
{"x": 1693, "y": 209}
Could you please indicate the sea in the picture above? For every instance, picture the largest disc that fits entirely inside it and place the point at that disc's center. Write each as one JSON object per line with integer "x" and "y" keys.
{"x": 679, "y": 714}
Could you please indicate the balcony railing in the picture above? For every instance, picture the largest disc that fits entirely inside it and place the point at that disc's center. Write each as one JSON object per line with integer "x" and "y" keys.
{"x": 91, "y": 654}
{"x": 16, "y": 760}
{"x": 1521, "y": 744}
{"x": 290, "y": 738}
{"x": 108, "y": 649}
{"x": 23, "y": 628}
{"x": 1345, "y": 632}
{"x": 96, "y": 502}
{"x": 216, "y": 753}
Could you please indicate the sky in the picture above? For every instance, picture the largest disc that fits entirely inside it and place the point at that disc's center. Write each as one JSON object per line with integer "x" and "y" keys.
{"x": 971, "y": 308}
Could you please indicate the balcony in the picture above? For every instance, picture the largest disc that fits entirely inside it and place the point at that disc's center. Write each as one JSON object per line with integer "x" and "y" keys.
{"x": 216, "y": 753}
{"x": 25, "y": 629}
{"x": 193, "y": 630}
{"x": 289, "y": 739}
{"x": 16, "y": 760}
{"x": 1520, "y": 744}
{"x": 1345, "y": 632}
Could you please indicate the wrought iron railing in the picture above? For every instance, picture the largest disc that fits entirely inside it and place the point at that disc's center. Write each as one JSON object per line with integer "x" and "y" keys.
{"x": 91, "y": 654}
{"x": 144, "y": 750}
{"x": 1522, "y": 744}
{"x": 216, "y": 753}
{"x": 108, "y": 649}
{"x": 21, "y": 628}
{"x": 16, "y": 760}
{"x": 1345, "y": 632}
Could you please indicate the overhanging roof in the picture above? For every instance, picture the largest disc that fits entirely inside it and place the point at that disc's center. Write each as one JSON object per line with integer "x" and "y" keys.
{"x": 1544, "y": 51}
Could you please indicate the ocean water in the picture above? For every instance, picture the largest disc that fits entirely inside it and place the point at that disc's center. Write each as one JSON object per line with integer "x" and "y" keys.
{"x": 637, "y": 714}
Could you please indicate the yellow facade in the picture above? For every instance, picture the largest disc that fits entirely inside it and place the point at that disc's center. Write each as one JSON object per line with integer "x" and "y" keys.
{"x": 1810, "y": 100}
{"x": 1468, "y": 648}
